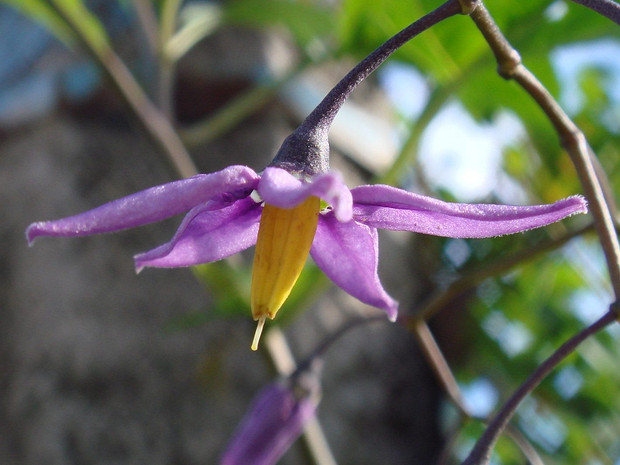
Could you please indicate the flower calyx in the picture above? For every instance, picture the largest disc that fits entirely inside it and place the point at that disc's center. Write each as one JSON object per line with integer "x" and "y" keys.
{"x": 304, "y": 153}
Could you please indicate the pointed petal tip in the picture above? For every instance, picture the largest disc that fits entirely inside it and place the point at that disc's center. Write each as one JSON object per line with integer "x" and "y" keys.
{"x": 392, "y": 311}
{"x": 32, "y": 232}
{"x": 573, "y": 205}
{"x": 385, "y": 207}
{"x": 139, "y": 262}
{"x": 580, "y": 203}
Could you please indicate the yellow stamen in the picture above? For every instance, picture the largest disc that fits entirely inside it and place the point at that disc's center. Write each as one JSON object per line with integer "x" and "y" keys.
{"x": 284, "y": 239}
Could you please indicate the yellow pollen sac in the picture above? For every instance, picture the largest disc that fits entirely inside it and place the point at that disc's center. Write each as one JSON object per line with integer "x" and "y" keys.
{"x": 284, "y": 239}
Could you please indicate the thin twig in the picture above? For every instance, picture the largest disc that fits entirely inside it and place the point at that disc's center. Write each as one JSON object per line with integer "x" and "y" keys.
{"x": 608, "y": 8}
{"x": 571, "y": 137}
{"x": 608, "y": 190}
{"x": 166, "y": 77}
{"x": 581, "y": 154}
{"x": 471, "y": 278}
{"x": 440, "y": 366}
{"x": 153, "y": 120}
{"x": 147, "y": 20}
{"x": 481, "y": 452}
{"x": 284, "y": 363}
{"x": 148, "y": 23}
{"x": 240, "y": 107}
{"x": 524, "y": 445}
{"x": 157, "y": 126}
{"x": 324, "y": 113}
{"x": 573, "y": 140}
{"x": 442, "y": 370}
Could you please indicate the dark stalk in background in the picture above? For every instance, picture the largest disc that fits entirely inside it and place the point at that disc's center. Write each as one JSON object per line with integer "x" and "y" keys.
{"x": 155, "y": 123}
{"x": 607, "y": 8}
{"x": 481, "y": 453}
{"x": 325, "y": 112}
{"x": 573, "y": 140}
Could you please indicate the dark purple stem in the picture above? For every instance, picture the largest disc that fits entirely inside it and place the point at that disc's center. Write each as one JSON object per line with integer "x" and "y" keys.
{"x": 608, "y": 8}
{"x": 306, "y": 150}
{"x": 481, "y": 452}
{"x": 323, "y": 115}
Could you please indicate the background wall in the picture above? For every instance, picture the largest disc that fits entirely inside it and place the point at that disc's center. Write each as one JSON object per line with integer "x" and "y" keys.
{"x": 103, "y": 366}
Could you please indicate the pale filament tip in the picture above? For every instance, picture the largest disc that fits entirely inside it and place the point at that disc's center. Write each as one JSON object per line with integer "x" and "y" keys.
{"x": 259, "y": 330}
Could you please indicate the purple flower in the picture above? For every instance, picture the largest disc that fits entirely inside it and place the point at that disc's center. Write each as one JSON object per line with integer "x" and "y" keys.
{"x": 273, "y": 422}
{"x": 225, "y": 209}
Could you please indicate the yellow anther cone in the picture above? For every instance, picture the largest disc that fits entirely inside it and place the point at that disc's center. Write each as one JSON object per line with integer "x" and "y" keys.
{"x": 284, "y": 239}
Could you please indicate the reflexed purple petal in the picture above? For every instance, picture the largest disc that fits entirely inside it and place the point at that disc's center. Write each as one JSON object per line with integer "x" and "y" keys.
{"x": 207, "y": 235}
{"x": 386, "y": 207}
{"x": 275, "y": 420}
{"x": 348, "y": 254}
{"x": 280, "y": 188}
{"x": 150, "y": 205}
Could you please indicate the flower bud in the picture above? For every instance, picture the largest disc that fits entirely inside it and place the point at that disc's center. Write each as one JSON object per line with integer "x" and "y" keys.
{"x": 275, "y": 420}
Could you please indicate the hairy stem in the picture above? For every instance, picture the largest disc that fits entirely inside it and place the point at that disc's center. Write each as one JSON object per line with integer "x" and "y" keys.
{"x": 325, "y": 112}
{"x": 440, "y": 366}
{"x": 571, "y": 137}
{"x": 573, "y": 140}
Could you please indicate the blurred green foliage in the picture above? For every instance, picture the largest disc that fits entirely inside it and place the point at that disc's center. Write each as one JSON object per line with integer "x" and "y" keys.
{"x": 512, "y": 321}
{"x": 63, "y": 17}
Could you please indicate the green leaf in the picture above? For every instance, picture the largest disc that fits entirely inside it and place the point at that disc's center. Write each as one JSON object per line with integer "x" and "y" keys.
{"x": 197, "y": 22}
{"x": 304, "y": 20}
{"x": 88, "y": 26}
{"x": 229, "y": 287}
{"x": 41, "y": 12}
{"x": 65, "y": 19}
{"x": 365, "y": 24}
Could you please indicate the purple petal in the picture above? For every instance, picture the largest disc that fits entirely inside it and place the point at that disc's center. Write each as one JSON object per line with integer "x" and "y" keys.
{"x": 207, "y": 235}
{"x": 275, "y": 420}
{"x": 151, "y": 205}
{"x": 280, "y": 188}
{"x": 348, "y": 253}
{"x": 386, "y": 207}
